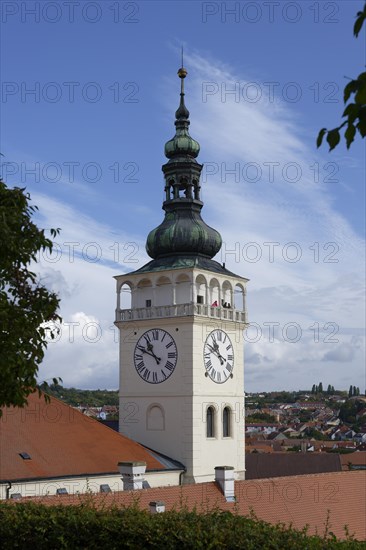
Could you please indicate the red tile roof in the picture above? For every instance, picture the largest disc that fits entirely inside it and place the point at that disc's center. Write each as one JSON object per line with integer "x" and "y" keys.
{"x": 297, "y": 500}
{"x": 61, "y": 441}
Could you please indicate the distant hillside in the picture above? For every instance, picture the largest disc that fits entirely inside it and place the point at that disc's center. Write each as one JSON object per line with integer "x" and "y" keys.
{"x": 76, "y": 397}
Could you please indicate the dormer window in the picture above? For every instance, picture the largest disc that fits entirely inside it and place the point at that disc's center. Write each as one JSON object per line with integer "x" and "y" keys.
{"x": 25, "y": 456}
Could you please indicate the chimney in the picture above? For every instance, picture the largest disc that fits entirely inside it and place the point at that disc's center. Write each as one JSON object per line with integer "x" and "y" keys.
{"x": 132, "y": 474}
{"x": 157, "y": 507}
{"x": 224, "y": 477}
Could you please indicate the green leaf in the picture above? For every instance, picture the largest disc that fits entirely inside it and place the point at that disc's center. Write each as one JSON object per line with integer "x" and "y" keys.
{"x": 360, "y": 96}
{"x": 361, "y": 127}
{"x": 333, "y": 138}
{"x": 358, "y": 25}
{"x": 349, "y": 89}
{"x": 351, "y": 111}
{"x": 361, "y": 15}
{"x": 320, "y": 137}
{"x": 350, "y": 134}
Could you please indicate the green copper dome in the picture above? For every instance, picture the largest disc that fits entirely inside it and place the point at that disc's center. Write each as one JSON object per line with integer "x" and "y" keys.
{"x": 183, "y": 233}
{"x": 182, "y": 144}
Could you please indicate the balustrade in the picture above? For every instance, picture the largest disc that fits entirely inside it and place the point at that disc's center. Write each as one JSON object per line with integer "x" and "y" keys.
{"x": 180, "y": 310}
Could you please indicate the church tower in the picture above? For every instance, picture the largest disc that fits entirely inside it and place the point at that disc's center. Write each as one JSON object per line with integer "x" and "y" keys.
{"x": 181, "y": 337}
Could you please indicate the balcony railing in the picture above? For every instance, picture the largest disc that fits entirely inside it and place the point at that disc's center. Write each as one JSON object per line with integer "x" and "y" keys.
{"x": 181, "y": 310}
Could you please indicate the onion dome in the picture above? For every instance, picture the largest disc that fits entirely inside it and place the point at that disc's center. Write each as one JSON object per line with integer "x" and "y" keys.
{"x": 183, "y": 232}
{"x": 181, "y": 144}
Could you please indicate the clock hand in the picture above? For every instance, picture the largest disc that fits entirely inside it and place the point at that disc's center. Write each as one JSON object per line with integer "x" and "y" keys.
{"x": 211, "y": 348}
{"x": 157, "y": 359}
{"x": 215, "y": 347}
{"x": 217, "y": 353}
{"x": 150, "y": 347}
{"x": 215, "y": 344}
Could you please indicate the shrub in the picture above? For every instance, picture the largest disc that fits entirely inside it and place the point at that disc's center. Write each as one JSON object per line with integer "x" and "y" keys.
{"x": 25, "y": 525}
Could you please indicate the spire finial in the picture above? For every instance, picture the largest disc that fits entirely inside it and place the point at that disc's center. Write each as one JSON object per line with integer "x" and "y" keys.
{"x": 182, "y": 73}
{"x": 182, "y": 110}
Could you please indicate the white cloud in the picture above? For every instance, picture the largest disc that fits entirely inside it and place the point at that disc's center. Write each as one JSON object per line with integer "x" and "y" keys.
{"x": 86, "y": 352}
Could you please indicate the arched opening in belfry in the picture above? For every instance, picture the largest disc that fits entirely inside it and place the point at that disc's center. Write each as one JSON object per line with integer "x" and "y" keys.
{"x": 169, "y": 189}
{"x": 183, "y": 189}
{"x": 201, "y": 289}
{"x": 239, "y": 297}
{"x": 215, "y": 293}
{"x": 126, "y": 296}
{"x": 227, "y": 295}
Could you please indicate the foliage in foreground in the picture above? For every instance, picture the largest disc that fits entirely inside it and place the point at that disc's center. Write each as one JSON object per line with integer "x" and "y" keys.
{"x": 25, "y": 304}
{"x": 85, "y": 527}
{"x": 354, "y": 113}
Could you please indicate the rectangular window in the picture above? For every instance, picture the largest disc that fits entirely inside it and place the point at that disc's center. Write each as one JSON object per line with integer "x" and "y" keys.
{"x": 148, "y": 303}
{"x": 199, "y": 299}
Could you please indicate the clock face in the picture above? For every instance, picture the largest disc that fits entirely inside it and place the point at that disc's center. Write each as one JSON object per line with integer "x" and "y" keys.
{"x": 218, "y": 356}
{"x": 155, "y": 356}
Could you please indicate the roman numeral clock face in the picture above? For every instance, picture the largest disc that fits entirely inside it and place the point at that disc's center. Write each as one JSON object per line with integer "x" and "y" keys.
{"x": 155, "y": 356}
{"x": 218, "y": 356}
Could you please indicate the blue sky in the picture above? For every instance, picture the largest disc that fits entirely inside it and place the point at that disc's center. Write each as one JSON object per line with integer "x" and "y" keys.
{"x": 263, "y": 78}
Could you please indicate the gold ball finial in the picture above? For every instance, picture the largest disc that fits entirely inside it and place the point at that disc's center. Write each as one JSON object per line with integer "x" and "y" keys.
{"x": 182, "y": 72}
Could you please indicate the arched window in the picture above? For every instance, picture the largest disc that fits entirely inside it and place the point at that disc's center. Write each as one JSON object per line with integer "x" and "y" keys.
{"x": 155, "y": 420}
{"x": 210, "y": 422}
{"x": 226, "y": 422}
